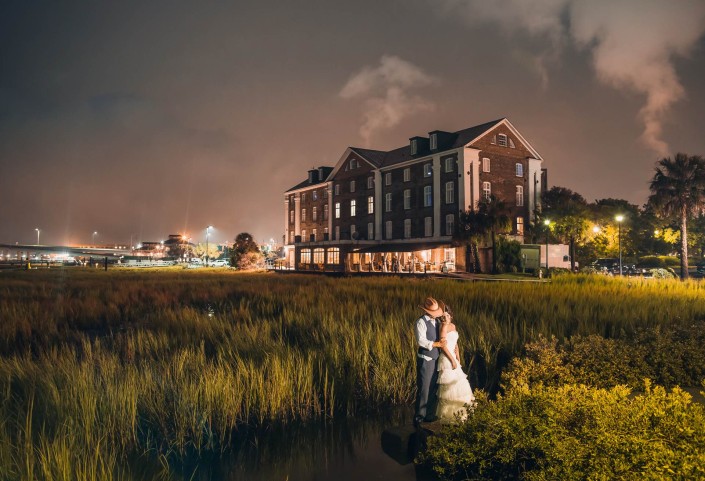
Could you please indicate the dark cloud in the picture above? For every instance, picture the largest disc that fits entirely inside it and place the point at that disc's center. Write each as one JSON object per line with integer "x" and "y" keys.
{"x": 148, "y": 118}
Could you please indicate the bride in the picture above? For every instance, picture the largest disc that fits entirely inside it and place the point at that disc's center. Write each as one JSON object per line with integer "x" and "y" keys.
{"x": 454, "y": 391}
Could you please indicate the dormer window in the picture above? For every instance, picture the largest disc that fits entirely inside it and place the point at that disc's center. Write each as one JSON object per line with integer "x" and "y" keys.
{"x": 502, "y": 140}
{"x": 414, "y": 147}
{"x": 434, "y": 141}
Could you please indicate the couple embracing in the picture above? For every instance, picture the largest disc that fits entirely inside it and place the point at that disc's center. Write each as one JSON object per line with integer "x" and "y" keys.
{"x": 443, "y": 389}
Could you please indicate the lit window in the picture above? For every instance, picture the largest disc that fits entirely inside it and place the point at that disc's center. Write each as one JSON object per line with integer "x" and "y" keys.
{"x": 450, "y": 224}
{"x": 334, "y": 255}
{"x": 303, "y": 236}
{"x": 520, "y": 195}
{"x": 434, "y": 142}
{"x": 502, "y": 140}
{"x": 303, "y": 215}
{"x": 427, "y": 196}
{"x": 370, "y": 182}
{"x": 319, "y": 256}
{"x": 314, "y": 195}
{"x": 353, "y": 204}
{"x": 428, "y": 226}
{"x": 388, "y": 202}
{"x": 352, "y": 186}
{"x": 520, "y": 226}
{"x": 325, "y": 212}
{"x": 388, "y": 178}
{"x": 291, "y": 217}
{"x": 337, "y": 189}
{"x": 450, "y": 192}
{"x": 450, "y": 164}
{"x": 485, "y": 164}
{"x": 337, "y": 210}
{"x": 370, "y": 231}
{"x": 407, "y": 174}
{"x": 370, "y": 204}
{"x": 305, "y": 256}
{"x": 519, "y": 170}
{"x": 292, "y": 237}
{"x": 407, "y": 199}
{"x": 407, "y": 228}
{"x": 486, "y": 190}
{"x": 314, "y": 234}
{"x": 314, "y": 214}
{"x": 388, "y": 229}
{"x": 427, "y": 170}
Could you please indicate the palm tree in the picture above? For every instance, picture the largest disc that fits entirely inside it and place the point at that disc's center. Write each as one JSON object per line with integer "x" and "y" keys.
{"x": 678, "y": 189}
{"x": 491, "y": 216}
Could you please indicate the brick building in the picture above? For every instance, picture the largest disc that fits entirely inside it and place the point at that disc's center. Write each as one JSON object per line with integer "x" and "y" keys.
{"x": 398, "y": 210}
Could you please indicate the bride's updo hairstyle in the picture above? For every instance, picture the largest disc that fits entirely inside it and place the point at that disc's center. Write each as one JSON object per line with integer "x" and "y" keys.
{"x": 446, "y": 310}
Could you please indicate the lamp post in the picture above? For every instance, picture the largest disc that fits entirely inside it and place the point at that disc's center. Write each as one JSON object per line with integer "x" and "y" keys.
{"x": 619, "y": 218}
{"x": 37, "y": 229}
{"x": 95, "y": 233}
{"x": 547, "y": 223}
{"x": 208, "y": 233}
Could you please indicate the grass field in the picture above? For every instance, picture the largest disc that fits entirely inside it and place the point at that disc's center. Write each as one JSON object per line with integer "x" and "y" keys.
{"x": 96, "y": 366}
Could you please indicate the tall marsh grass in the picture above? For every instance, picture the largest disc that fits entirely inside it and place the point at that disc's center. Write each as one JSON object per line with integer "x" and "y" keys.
{"x": 96, "y": 366}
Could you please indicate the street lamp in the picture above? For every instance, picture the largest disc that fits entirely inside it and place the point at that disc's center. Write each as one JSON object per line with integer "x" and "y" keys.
{"x": 95, "y": 233}
{"x": 595, "y": 229}
{"x": 208, "y": 233}
{"x": 619, "y": 218}
{"x": 547, "y": 223}
{"x": 37, "y": 229}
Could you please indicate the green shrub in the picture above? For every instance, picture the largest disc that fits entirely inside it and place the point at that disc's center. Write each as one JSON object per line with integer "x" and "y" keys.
{"x": 508, "y": 255}
{"x": 574, "y": 432}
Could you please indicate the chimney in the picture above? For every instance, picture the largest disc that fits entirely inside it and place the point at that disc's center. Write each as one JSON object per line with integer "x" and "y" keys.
{"x": 312, "y": 176}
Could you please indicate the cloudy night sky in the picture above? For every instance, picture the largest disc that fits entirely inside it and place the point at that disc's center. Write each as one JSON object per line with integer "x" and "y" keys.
{"x": 147, "y": 118}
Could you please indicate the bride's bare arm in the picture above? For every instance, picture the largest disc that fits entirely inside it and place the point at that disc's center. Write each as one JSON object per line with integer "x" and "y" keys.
{"x": 444, "y": 349}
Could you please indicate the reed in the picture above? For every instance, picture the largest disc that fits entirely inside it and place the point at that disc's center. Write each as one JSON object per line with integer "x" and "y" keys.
{"x": 96, "y": 367}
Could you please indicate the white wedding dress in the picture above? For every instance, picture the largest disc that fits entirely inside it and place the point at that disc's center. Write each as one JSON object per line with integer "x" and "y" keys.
{"x": 454, "y": 391}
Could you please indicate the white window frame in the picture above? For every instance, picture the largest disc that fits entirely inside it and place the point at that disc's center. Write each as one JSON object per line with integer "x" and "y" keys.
{"x": 370, "y": 182}
{"x": 407, "y": 174}
{"x": 428, "y": 226}
{"x": 407, "y": 228}
{"x": 325, "y": 212}
{"x": 337, "y": 210}
{"x": 428, "y": 170}
{"x": 305, "y": 256}
{"x": 519, "y": 169}
{"x": 304, "y": 236}
{"x": 414, "y": 146}
{"x": 450, "y": 192}
{"x": 370, "y": 231}
{"x": 314, "y": 195}
{"x": 303, "y": 215}
{"x": 352, "y": 186}
{"x": 353, "y": 207}
{"x": 486, "y": 164}
{"x": 450, "y": 161}
{"x": 319, "y": 255}
{"x": 333, "y": 255}
{"x": 434, "y": 141}
{"x": 486, "y": 190}
{"x": 407, "y": 199}
{"x": 388, "y": 202}
{"x": 388, "y": 178}
{"x": 314, "y": 213}
{"x": 337, "y": 189}
{"x": 428, "y": 196}
{"x": 520, "y": 195}
{"x": 450, "y": 224}
{"x": 502, "y": 140}
{"x": 370, "y": 204}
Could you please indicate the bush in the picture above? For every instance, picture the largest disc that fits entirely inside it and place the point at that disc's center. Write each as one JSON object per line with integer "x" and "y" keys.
{"x": 574, "y": 432}
{"x": 664, "y": 273}
{"x": 508, "y": 255}
{"x": 659, "y": 261}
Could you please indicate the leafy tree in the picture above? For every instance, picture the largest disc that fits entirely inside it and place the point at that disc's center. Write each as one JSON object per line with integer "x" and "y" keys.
{"x": 678, "y": 188}
{"x": 211, "y": 252}
{"x": 245, "y": 253}
{"x": 568, "y": 212}
{"x": 491, "y": 216}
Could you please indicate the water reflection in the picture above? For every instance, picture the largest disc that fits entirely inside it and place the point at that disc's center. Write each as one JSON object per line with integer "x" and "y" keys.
{"x": 339, "y": 450}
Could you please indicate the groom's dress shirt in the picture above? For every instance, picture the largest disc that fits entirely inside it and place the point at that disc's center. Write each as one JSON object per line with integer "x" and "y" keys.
{"x": 421, "y": 339}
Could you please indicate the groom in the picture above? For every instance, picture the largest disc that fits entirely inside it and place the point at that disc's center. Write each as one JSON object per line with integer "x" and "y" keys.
{"x": 426, "y": 359}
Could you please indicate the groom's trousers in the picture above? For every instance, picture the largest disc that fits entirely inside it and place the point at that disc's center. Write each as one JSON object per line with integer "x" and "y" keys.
{"x": 426, "y": 388}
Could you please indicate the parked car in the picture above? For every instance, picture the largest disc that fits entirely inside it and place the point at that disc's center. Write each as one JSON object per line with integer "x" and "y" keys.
{"x": 220, "y": 263}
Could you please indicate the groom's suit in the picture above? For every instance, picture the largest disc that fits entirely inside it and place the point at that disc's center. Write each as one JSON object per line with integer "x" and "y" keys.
{"x": 426, "y": 371}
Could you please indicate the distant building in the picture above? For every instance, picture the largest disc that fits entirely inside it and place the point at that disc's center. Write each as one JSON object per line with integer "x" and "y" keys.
{"x": 398, "y": 210}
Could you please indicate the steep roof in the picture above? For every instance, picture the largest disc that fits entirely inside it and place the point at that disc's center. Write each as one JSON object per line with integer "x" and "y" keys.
{"x": 376, "y": 157}
{"x": 325, "y": 171}
{"x": 458, "y": 139}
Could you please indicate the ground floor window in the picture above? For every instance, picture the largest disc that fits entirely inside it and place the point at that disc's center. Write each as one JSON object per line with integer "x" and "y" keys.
{"x": 333, "y": 255}
{"x": 520, "y": 226}
{"x": 318, "y": 256}
{"x": 305, "y": 256}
